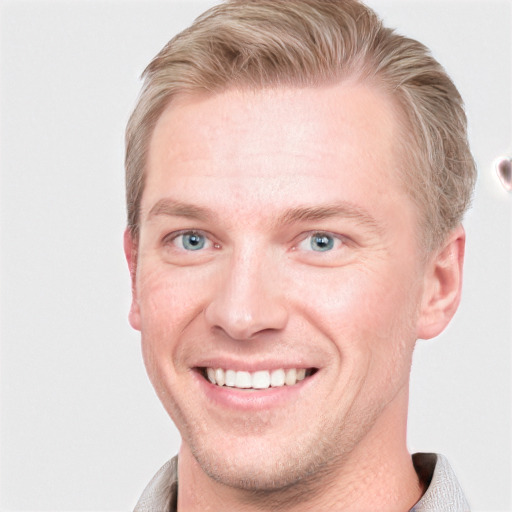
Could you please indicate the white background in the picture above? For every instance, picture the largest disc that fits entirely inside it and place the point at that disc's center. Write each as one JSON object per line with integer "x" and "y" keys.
{"x": 81, "y": 428}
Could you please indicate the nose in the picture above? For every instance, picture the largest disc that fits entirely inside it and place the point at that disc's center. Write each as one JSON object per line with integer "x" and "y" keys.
{"x": 248, "y": 299}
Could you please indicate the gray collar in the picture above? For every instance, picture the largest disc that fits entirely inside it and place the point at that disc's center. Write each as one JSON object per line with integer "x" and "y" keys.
{"x": 443, "y": 493}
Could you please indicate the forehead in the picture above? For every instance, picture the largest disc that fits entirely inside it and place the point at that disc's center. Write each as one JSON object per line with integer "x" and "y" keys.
{"x": 331, "y": 141}
{"x": 339, "y": 113}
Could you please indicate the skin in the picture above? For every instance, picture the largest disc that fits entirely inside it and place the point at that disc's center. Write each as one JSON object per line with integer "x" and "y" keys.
{"x": 258, "y": 173}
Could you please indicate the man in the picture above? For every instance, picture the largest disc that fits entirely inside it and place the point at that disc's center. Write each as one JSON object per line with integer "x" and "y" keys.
{"x": 296, "y": 180}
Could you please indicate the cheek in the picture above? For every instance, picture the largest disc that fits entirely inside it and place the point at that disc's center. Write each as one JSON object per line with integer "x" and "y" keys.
{"x": 362, "y": 309}
{"x": 169, "y": 299}
{"x": 168, "y": 296}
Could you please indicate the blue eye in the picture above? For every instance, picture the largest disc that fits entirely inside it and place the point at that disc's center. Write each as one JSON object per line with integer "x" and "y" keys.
{"x": 321, "y": 242}
{"x": 192, "y": 241}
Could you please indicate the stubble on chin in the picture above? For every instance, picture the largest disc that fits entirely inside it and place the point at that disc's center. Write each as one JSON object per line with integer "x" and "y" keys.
{"x": 299, "y": 473}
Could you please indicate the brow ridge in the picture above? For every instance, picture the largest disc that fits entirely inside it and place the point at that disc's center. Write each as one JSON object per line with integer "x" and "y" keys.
{"x": 342, "y": 209}
{"x": 175, "y": 208}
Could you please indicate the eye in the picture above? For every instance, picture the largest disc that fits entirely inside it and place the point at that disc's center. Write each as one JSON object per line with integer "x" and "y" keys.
{"x": 320, "y": 242}
{"x": 191, "y": 241}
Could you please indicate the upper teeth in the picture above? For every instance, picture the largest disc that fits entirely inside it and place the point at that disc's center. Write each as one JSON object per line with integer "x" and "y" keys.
{"x": 256, "y": 380}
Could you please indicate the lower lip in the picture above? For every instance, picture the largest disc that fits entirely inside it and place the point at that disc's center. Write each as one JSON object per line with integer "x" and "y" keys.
{"x": 250, "y": 400}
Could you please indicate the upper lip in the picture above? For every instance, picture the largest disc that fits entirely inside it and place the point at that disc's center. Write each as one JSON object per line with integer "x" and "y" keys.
{"x": 252, "y": 366}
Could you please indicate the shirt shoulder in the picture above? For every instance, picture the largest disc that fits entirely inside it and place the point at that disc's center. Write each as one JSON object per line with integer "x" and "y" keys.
{"x": 161, "y": 494}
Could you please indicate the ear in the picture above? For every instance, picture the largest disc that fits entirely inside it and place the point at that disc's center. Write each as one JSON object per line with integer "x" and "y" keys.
{"x": 130, "y": 252}
{"x": 442, "y": 287}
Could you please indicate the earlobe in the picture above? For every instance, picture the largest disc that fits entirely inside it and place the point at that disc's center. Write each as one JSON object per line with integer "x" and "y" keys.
{"x": 442, "y": 287}
{"x": 130, "y": 252}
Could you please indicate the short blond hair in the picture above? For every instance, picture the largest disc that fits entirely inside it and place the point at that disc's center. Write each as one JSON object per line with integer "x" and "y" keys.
{"x": 305, "y": 43}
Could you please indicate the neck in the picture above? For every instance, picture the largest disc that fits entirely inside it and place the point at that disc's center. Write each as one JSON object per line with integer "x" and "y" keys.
{"x": 378, "y": 474}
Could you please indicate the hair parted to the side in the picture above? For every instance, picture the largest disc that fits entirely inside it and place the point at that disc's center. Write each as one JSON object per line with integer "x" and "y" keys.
{"x": 306, "y": 43}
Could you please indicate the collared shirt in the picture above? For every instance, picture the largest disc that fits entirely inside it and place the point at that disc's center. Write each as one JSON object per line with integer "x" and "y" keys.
{"x": 443, "y": 493}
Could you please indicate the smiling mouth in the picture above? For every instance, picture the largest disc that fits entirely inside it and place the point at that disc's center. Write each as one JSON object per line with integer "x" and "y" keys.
{"x": 262, "y": 379}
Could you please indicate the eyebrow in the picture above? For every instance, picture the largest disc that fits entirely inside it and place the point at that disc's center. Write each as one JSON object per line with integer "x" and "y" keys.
{"x": 341, "y": 209}
{"x": 173, "y": 208}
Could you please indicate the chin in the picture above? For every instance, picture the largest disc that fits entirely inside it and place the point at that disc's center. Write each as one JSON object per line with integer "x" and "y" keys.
{"x": 261, "y": 468}
{"x": 265, "y": 477}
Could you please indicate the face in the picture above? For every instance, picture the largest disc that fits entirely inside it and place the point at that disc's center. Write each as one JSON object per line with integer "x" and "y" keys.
{"x": 276, "y": 244}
